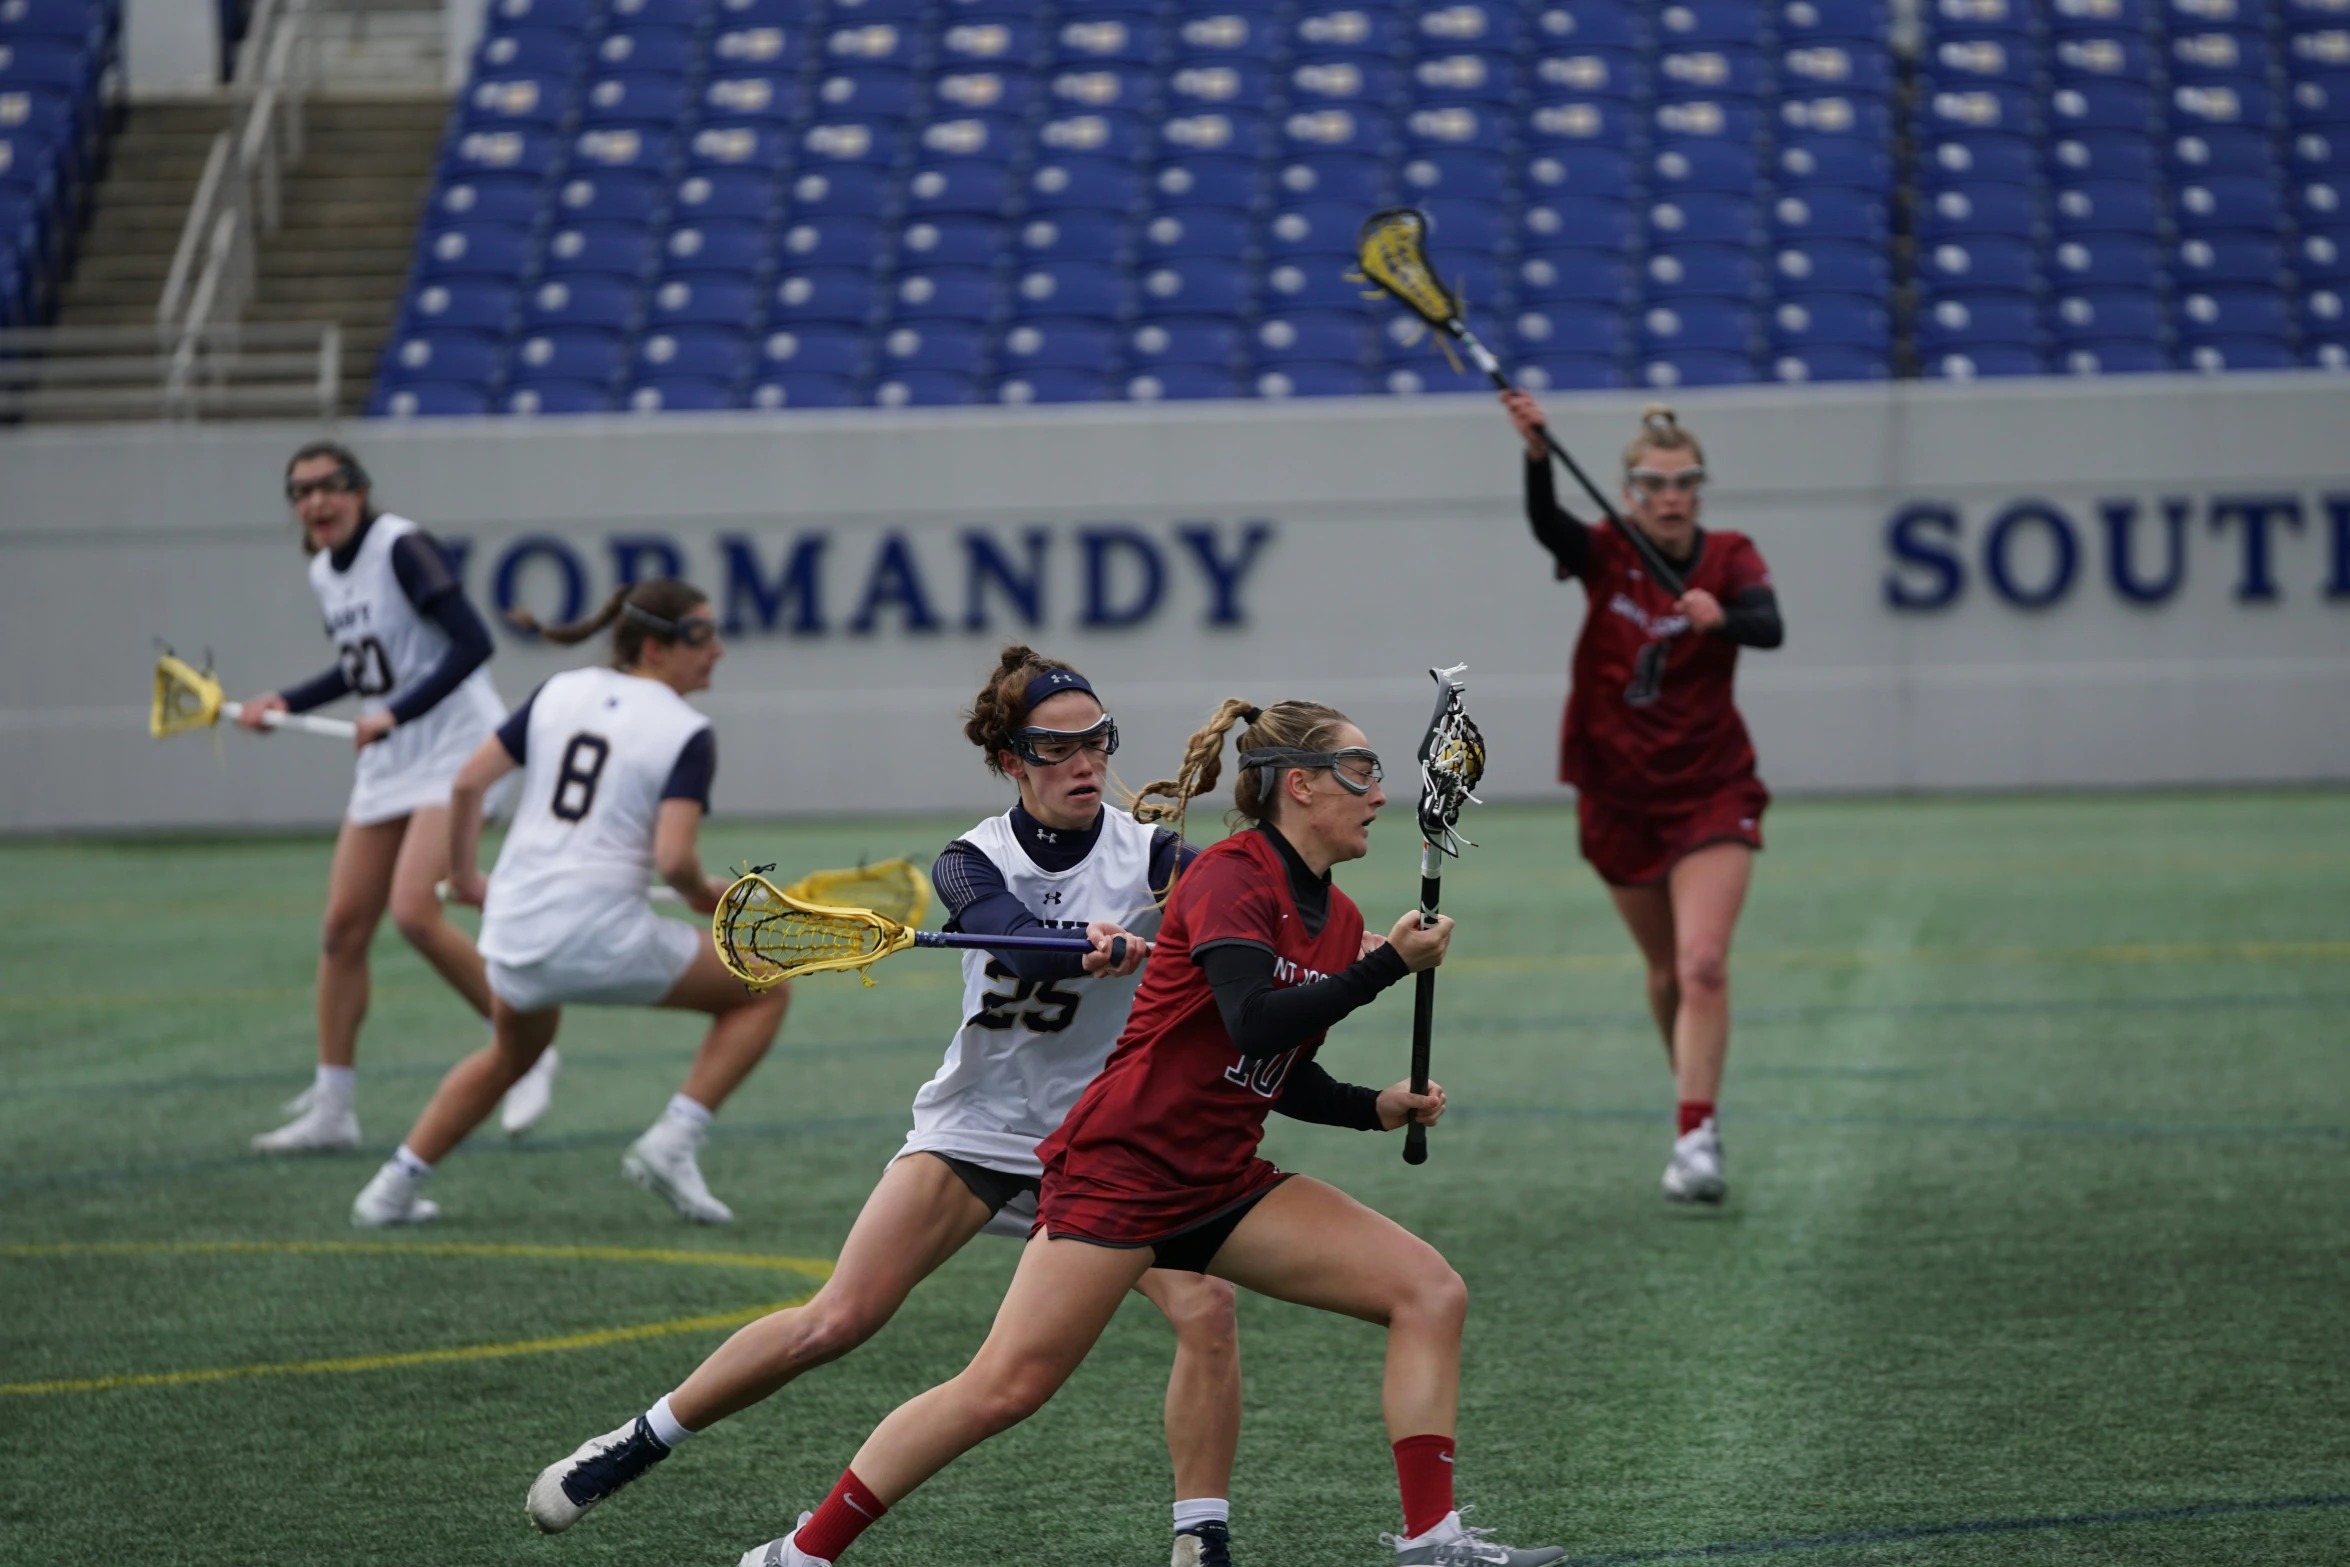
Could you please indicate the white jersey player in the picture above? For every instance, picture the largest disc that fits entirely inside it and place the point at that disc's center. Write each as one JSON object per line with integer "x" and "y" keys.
{"x": 1036, "y": 1029}
{"x": 410, "y": 646}
{"x": 617, "y": 770}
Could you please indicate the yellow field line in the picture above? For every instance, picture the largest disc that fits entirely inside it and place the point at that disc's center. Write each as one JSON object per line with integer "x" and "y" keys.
{"x": 813, "y": 1266}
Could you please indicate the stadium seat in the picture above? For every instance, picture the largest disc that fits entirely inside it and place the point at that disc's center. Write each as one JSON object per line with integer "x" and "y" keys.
{"x": 926, "y": 389}
{"x": 1206, "y": 86}
{"x": 1091, "y": 184}
{"x": 1958, "y": 211}
{"x": 739, "y": 195}
{"x": 1486, "y": 79}
{"x": 1217, "y": 134}
{"x": 1003, "y": 42}
{"x": 523, "y": 153}
{"x": 972, "y": 186}
{"x": 1833, "y": 268}
{"x": 530, "y": 51}
{"x": 765, "y": 48}
{"x": 430, "y": 400}
{"x": 802, "y": 391}
{"x": 1611, "y": 24}
{"x": 951, "y": 241}
{"x": 2236, "y": 353}
{"x": 1604, "y": 225}
{"x": 635, "y": 99}
{"x": 601, "y": 303}
{"x": 2212, "y": 205}
{"x": 1860, "y": 20}
{"x": 470, "y": 358}
{"x": 529, "y": 102}
{"x": 1207, "y": 182}
{"x": 1308, "y": 228}
{"x": 1831, "y": 362}
{"x": 1476, "y": 28}
{"x": 625, "y": 196}
{"x": 1169, "y": 383}
{"x": 2114, "y": 359}
{"x": 1828, "y": 213}
{"x": 1308, "y": 379}
{"x": 1696, "y": 368}
{"x": 1058, "y": 343}
{"x": 2106, "y": 261}
{"x": 1320, "y": 81}
{"x": 474, "y": 250}
{"x": 1195, "y": 285}
{"x": 2234, "y": 152}
{"x": 954, "y": 347}
{"x": 1072, "y": 236}
{"x": 2223, "y": 260}
{"x": 843, "y": 295}
{"x": 1984, "y": 360}
{"x": 2010, "y": 159}
{"x": 1214, "y": 341}
{"x": 571, "y": 15}
{"x": 2103, "y": 156}
{"x": 2103, "y": 207}
{"x": 715, "y": 246}
{"x": 1583, "y": 330}
{"x": 1217, "y": 33}
{"x": 552, "y": 396}
{"x": 514, "y": 200}
{"x": 1567, "y": 372}
{"x": 677, "y": 394}
{"x": 1587, "y": 173}
{"x": 1591, "y": 276}
{"x": 1687, "y": 165}
{"x": 1456, "y": 174}
{"x": 702, "y": 300}
{"x": 1207, "y": 231}
{"x": 1701, "y": 271}
{"x": 1833, "y": 160}
{"x": 1068, "y": 384}
{"x": 1333, "y": 336}
{"x": 702, "y": 353}
{"x": 1957, "y": 322}
{"x": 1073, "y": 288}
{"x": 1325, "y": 28}
{"x": 621, "y": 147}
{"x": 2233, "y": 313}
{"x": 831, "y": 242}
{"x": 1312, "y": 283}
{"x": 759, "y": 99}
{"x": 1837, "y": 67}
{"x": 2130, "y": 315}
{"x": 818, "y": 350}
{"x": 945, "y": 294}
{"x": 485, "y": 305}
{"x": 1697, "y": 326}
{"x": 615, "y": 249}
{"x": 1821, "y": 321}
{"x": 1336, "y": 177}
{"x": 1977, "y": 110}
{"x": 1712, "y": 221}
{"x": 570, "y": 354}
{"x": 2101, "y": 57}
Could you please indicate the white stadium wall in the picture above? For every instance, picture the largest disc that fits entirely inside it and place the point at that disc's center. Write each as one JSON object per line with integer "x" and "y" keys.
{"x": 2005, "y": 586}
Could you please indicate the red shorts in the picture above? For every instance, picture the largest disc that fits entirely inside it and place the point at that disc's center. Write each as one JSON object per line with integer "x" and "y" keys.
{"x": 1088, "y": 1211}
{"x": 1632, "y": 848}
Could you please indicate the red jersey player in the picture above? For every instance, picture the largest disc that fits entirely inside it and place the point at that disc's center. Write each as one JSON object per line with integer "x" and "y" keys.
{"x": 1671, "y": 810}
{"x": 1157, "y": 1165}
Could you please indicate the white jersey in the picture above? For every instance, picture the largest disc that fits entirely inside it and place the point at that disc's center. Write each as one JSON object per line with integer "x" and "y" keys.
{"x": 1026, "y": 1050}
{"x": 386, "y": 648}
{"x": 598, "y": 751}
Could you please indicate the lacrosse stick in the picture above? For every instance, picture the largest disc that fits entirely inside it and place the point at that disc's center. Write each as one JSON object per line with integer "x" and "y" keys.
{"x": 893, "y": 889}
{"x": 1452, "y": 760}
{"x": 765, "y": 936}
{"x": 189, "y": 698}
{"x": 1392, "y": 250}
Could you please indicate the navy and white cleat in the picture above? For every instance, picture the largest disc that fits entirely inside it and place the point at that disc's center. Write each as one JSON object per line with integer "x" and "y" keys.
{"x": 1206, "y": 1545}
{"x": 563, "y": 1492}
{"x": 783, "y": 1553}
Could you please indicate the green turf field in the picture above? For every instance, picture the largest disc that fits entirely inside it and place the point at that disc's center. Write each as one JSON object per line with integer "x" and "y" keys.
{"x": 2037, "y": 1139}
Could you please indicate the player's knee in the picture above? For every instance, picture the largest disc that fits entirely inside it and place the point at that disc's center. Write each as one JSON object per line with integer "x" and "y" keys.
{"x": 1012, "y": 1395}
{"x": 827, "y": 1331}
{"x": 1206, "y": 1317}
{"x": 417, "y": 919}
{"x": 1704, "y": 971}
{"x": 344, "y": 935}
{"x": 1437, "y": 1299}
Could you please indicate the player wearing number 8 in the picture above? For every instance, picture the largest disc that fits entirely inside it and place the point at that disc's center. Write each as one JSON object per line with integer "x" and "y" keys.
{"x": 411, "y": 648}
{"x": 1671, "y": 810}
{"x": 617, "y": 779}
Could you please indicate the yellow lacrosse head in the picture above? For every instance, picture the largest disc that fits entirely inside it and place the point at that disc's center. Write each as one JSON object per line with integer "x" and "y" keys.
{"x": 185, "y": 698}
{"x": 766, "y": 936}
{"x": 893, "y": 889}
{"x": 1392, "y": 250}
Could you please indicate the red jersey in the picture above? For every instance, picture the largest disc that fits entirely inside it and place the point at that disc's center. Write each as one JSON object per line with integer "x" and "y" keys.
{"x": 1167, "y": 1135}
{"x": 1649, "y": 715}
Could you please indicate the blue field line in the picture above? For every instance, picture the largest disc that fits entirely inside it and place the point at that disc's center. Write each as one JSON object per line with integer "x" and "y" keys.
{"x": 1829, "y": 1542}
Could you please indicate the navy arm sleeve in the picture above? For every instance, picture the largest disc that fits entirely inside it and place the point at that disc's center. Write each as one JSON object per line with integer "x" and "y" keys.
{"x": 980, "y": 904}
{"x": 1752, "y": 619}
{"x": 1312, "y": 1094}
{"x": 1265, "y": 1020}
{"x": 1568, "y": 541}
{"x": 696, "y": 765}
{"x": 514, "y": 733}
{"x": 317, "y": 691}
{"x": 425, "y": 578}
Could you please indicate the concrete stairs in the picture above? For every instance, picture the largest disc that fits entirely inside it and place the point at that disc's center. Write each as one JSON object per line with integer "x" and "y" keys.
{"x": 140, "y": 207}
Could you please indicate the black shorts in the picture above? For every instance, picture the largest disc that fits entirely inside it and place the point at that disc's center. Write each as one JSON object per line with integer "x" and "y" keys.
{"x": 993, "y": 1187}
{"x": 1191, "y": 1249}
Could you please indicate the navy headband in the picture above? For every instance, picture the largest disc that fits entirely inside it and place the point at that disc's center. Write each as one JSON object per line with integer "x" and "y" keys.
{"x": 1052, "y": 683}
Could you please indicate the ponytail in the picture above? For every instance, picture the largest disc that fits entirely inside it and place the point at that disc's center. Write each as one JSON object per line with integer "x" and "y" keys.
{"x": 659, "y": 602}
{"x": 1301, "y": 726}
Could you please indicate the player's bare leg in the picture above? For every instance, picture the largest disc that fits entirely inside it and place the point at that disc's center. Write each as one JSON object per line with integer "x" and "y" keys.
{"x": 358, "y": 887}
{"x": 742, "y": 1026}
{"x": 422, "y": 864}
{"x": 1708, "y": 887}
{"x": 1203, "y": 1408}
{"x": 1648, "y": 913}
{"x": 467, "y": 1094}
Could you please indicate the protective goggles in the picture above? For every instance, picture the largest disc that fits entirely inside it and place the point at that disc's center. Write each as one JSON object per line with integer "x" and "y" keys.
{"x": 1356, "y": 767}
{"x": 1652, "y": 481}
{"x": 1052, "y": 747}
{"x": 339, "y": 482}
{"x": 692, "y": 630}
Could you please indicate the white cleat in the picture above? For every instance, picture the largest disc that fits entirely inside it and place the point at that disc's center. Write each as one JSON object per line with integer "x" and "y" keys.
{"x": 319, "y": 1128}
{"x": 662, "y": 1161}
{"x": 783, "y": 1553}
{"x": 390, "y": 1198}
{"x": 565, "y": 1490}
{"x": 526, "y": 1102}
{"x": 1695, "y": 1175}
{"x": 300, "y": 1102}
{"x": 1455, "y": 1544}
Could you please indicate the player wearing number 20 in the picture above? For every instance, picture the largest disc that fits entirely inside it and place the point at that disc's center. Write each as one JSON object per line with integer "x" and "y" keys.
{"x": 617, "y": 769}
{"x": 1671, "y": 809}
{"x": 412, "y": 649}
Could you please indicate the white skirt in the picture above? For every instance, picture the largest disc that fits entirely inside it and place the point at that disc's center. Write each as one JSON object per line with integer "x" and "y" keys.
{"x": 413, "y": 767}
{"x": 623, "y": 956}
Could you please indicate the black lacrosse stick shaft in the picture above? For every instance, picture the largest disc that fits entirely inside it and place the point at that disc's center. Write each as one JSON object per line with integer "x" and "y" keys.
{"x": 1415, "y": 1137}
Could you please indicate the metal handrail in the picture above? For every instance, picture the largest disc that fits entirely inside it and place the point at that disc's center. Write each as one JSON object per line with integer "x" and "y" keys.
{"x": 291, "y": 368}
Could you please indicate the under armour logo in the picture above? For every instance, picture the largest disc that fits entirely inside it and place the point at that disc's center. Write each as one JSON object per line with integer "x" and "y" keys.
{"x": 1047, "y": 837}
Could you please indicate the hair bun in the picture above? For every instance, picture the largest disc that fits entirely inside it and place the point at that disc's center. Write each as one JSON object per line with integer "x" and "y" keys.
{"x": 1249, "y": 715}
{"x": 1658, "y": 416}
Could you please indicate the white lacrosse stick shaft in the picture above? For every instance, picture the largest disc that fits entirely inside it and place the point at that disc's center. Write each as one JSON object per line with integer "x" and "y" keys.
{"x": 301, "y": 723}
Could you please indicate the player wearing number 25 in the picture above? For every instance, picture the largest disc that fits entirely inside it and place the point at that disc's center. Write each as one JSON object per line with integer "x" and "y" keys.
{"x": 411, "y": 648}
{"x": 1664, "y": 772}
{"x": 617, "y": 770}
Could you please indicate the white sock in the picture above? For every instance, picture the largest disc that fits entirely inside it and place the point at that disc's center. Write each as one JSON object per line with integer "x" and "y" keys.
{"x": 691, "y": 1111}
{"x": 336, "y": 1085}
{"x": 1202, "y": 1509}
{"x": 405, "y": 1158}
{"x": 666, "y": 1429}
{"x": 1448, "y": 1528}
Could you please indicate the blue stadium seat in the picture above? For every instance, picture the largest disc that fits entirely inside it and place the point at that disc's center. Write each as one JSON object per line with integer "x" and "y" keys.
{"x": 1834, "y": 160}
{"x": 740, "y": 195}
{"x": 1708, "y": 23}
{"x": 471, "y": 358}
{"x": 702, "y": 353}
{"x": 1334, "y": 132}
{"x": 571, "y": 15}
{"x": 992, "y": 43}
{"x": 903, "y": 12}
{"x": 1242, "y": 31}
{"x": 474, "y": 250}
{"x": 715, "y": 246}
{"x": 1008, "y": 93}
{"x": 1958, "y": 211}
{"x": 688, "y": 14}
{"x": 485, "y": 153}
{"x": 1074, "y": 236}
{"x": 1829, "y": 213}
{"x": 1702, "y": 271}
{"x": 1219, "y": 231}
{"x": 89, "y": 26}
{"x": 1567, "y": 372}
{"x": 1440, "y": 128}
{"x": 1074, "y": 288}
{"x": 635, "y": 99}
{"x": 600, "y": 303}
{"x": 1058, "y": 343}
{"x": 430, "y": 400}
{"x": 735, "y": 147}
{"x": 462, "y": 304}
{"x": 569, "y": 354}
{"x": 487, "y": 199}
{"x": 527, "y": 102}
{"x": 622, "y": 196}
{"x": 1985, "y": 360}
{"x": 1800, "y": 270}
{"x": 1558, "y": 276}
{"x": 613, "y": 249}
{"x": 1334, "y": 336}
{"x": 2106, "y": 261}
{"x": 1582, "y": 330}
{"x": 819, "y": 349}
{"x": 1978, "y": 63}
{"x": 1312, "y": 283}
{"x": 1605, "y": 225}
{"x": 1986, "y": 109}
{"x": 1208, "y": 182}
{"x": 2324, "y": 255}
{"x": 1307, "y": 378}
{"x": 1403, "y": 339}
{"x": 1837, "y": 67}
{"x": 762, "y": 47}
{"x": 2218, "y": 57}
{"x": 1835, "y": 114}
{"x": 1696, "y": 367}
{"x": 1211, "y": 86}
{"x": 1473, "y": 27}
{"x": 1732, "y": 73}
{"x": 1335, "y": 177}
{"x": 969, "y": 136}
{"x": 1123, "y": 89}
{"x": 868, "y": 94}
{"x": 533, "y": 396}
{"x": 1714, "y": 220}
{"x": 1686, "y": 166}
{"x": 664, "y": 51}
{"x": 2224, "y": 260}
{"x": 1213, "y": 341}
{"x": 2318, "y": 204}
{"x": 2127, "y": 314}
{"x": 1487, "y": 79}
{"x": 1570, "y": 128}
{"x": 1464, "y": 174}
{"x": 1609, "y": 24}
{"x": 1697, "y": 326}
{"x": 2238, "y": 353}
{"x": 2319, "y": 98}
{"x": 2313, "y": 154}
{"x": 1600, "y": 172}
{"x": 2208, "y": 205}
{"x": 1324, "y": 28}
{"x": 2011, "y": 159}
{"x": 2103, "y": 155}
{"x": 1131, "y": 40}
{"x": 951, "y": 241}
{"x": 1216, "y": 133}
{"x": 1459, "y": 230}
{"x": 802, "y": 391}
{"x": 971, "y": 186}
{"x": 2215, "y": 313}
{"x": 1831, "y": 362}
{"x": 954, "y": 347}
{"x": 2101, "y": 57}
{"x": 2103, "y": 105}
{"x": 1065, "y": 384}
{"x": 1962, "y": 322}
{"x": 837, "y": 294}
{"x": 2244, "y": 104}
{"x": 702, "y": 300}
{"x": 2115, "y": 359}
{"x": 945, "y": 294}
{"x": 1196, "y": 285}
{"x": 831, "y": 242}
{"x": 2103, "y": 207}
{"x": 868, "y": 44}
{"x": 47, "y": 62}
{"x": 1170, "y": 383}
{"x": 530, "y": 52}
{"x": 2100, "y": 16}
{"x": 843, "y": 147}
{"x": 677, "y": 394}
{"x": 621, "y": 147}
{"x": 1824, "y": 20}
{"x": 1085, "y": 184}
{"x": 1588, "y": 73}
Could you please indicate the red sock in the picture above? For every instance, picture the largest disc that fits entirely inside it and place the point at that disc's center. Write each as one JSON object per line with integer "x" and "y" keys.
{"x": 1694, "y": 1114}
{"x": 1423, "y": 1468}
{"x": 849, "y": 1511}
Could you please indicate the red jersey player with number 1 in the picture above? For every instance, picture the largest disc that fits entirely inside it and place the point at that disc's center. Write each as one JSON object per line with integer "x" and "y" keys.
{"x": 1258, "y": 956}
{"x": 1671, "y": 810}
